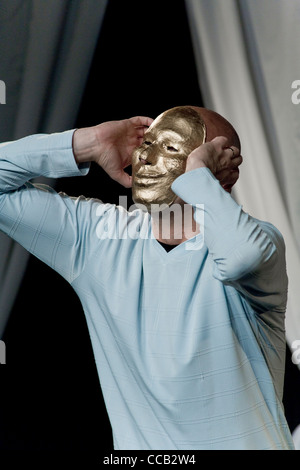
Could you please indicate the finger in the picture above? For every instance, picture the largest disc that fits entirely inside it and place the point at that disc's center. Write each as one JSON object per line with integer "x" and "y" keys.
{"x": 234, "y": 151}
{"x": 230, "y": 179}
{"x": 227, "y": 187}
{"x": 233, "y": 177}
{"x": 221, "y": 175}
{"x": 141, "y": 121}
{"x": 238, "y": 160}
{"x": 220, "y": 140}
{"x": 230, "y": 152}
{"x": 140, "y": 140}
{"x": 140, "y": 131}
{"x": 126, "y": 180}
{"x": 235, "y": 158}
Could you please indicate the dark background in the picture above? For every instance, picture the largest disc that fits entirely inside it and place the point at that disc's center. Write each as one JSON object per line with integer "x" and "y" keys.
{"x": 51, "y": 396}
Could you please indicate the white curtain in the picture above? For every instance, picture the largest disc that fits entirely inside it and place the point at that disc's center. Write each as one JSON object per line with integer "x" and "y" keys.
{"x": 247, "y": 55}
{"x": 46, "y": 49}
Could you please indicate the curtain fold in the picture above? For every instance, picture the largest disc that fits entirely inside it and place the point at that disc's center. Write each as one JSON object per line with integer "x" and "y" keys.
{"x": 247, "y": 58}
{"x": 46, "y": 49}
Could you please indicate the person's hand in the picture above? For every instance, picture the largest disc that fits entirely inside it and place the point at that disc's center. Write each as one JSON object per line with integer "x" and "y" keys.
{"x": 110, "y": 145}
{"x": 222, "y": 161}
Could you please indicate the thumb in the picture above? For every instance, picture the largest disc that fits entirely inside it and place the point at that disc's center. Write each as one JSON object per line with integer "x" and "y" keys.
{"x": 124, "y": 179}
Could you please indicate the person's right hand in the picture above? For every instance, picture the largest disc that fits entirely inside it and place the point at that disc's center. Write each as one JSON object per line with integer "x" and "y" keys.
{"x": 110, "y": 145}
{"x": 222, "y": 161}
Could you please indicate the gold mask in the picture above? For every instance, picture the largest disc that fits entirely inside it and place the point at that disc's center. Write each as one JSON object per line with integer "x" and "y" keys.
{"x": 162, "y": 156}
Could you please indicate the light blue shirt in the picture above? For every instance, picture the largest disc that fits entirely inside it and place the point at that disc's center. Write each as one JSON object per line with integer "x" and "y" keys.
{"x": 190, "y": 344}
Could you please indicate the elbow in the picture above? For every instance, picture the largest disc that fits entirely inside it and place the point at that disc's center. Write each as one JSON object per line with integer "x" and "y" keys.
{"x": 245, "y": 260}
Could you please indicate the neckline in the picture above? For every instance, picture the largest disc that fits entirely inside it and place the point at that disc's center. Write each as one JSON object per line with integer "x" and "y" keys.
{"x": 195, "y": 243}
{"x": 166, "y": 246}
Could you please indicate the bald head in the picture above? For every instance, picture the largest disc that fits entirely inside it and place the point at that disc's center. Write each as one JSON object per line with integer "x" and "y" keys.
{"x": 216, "y": 126}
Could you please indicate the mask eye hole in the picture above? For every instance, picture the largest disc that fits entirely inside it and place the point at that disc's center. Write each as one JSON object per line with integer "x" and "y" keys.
{"x": 171, "y": 149}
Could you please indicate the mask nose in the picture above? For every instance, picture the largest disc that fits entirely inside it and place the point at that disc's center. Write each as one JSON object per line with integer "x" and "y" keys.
{"x": 149, "y": 156}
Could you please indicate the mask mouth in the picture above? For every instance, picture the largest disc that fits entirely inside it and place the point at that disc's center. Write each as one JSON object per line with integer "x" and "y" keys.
{"x": 148, "y": 174}
{"x": 146, "y": 181}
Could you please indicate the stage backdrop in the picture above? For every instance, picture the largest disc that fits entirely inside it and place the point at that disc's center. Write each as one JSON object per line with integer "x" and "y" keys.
{"x": 248, "y": 59}
{"x": 143, "y": 63}
{"x": 46, "y": 49}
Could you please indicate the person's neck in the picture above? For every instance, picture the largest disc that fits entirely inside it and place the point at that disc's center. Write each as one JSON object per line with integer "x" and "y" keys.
{"x": 174, "y": 225}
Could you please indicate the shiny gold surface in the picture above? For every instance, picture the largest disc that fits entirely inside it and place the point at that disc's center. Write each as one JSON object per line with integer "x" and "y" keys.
{"x": 162, "y": 156}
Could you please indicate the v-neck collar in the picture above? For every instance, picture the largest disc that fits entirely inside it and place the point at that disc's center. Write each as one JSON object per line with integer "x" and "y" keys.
{"x": 167, "y": 247}
{"x": 188, "y": 246}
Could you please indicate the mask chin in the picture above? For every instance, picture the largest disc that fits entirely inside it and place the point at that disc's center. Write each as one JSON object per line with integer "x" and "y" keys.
{"x": 154, "y": 206}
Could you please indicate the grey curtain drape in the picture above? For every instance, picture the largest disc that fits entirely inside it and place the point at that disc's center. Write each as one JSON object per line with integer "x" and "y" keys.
{"x": 247, "y": 55}
{"x": 46, "y": 49}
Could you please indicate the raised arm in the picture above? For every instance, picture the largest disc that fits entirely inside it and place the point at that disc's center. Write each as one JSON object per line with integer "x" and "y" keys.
{"x": 247, "y": 253}
{"x": 52, "y": 226}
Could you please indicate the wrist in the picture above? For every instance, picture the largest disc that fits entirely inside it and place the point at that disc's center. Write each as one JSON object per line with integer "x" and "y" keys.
{"x": 84, "y": 145}
{"x": 194, "y": 164}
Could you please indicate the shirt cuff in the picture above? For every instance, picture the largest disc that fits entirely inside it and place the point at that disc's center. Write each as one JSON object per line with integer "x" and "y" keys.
{"x": 60, "y": 147}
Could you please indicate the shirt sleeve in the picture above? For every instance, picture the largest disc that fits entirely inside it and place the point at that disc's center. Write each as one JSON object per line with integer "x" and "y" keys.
{"x": 248, "y": 254}
{"x": 49, "y": 225}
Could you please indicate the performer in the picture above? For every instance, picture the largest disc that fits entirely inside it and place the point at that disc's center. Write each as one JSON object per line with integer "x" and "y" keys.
{"x": 187, "y": 328}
